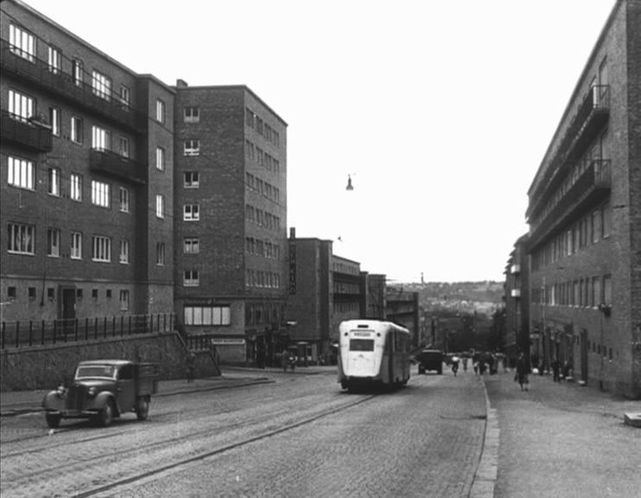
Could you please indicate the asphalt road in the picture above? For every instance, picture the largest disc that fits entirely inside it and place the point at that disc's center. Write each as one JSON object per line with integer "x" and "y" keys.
{"x": 299, "y": 436}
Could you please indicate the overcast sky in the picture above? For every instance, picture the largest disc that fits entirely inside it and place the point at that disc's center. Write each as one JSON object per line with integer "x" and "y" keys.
{"x": 440, "y": 111}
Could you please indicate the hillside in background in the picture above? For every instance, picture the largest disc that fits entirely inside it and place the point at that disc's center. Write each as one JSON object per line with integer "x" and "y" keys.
{"x": 482, "y": 297}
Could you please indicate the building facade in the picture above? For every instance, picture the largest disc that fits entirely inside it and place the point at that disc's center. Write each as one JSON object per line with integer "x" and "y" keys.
{"x": 86, "y": 211}
{"x": 230, "y": 220}
{"x": 584, "y": 214}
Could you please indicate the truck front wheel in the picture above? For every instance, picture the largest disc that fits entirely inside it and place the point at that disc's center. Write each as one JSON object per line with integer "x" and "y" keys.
{"x": 106, "y": 415}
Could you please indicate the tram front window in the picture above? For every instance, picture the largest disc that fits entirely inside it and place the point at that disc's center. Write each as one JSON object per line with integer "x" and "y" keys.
{"x": 361, "y": 345}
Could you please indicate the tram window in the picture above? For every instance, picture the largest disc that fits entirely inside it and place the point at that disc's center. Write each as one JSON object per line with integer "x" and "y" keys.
{"x": 361, "y": 345}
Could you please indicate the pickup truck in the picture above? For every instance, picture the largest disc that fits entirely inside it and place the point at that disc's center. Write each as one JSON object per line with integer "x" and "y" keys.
{"x": 102, "y": 390}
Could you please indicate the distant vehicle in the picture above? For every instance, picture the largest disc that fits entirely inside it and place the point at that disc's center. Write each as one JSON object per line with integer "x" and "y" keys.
{"x": 430, "y": 359}
{"x": 101, "y": 391}
{"x": 373, "y": 352}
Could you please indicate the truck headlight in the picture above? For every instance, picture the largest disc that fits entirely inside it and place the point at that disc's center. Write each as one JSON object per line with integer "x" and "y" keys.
{"x": 61, "y": 391}
{"x": 92, "y": 391}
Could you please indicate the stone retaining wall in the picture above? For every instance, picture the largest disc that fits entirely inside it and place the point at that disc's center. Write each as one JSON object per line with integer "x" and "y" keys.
{"x": 44, "y": 367}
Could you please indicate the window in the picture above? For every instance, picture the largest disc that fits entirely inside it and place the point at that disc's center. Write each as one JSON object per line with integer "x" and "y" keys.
{"x": 124, "y": 200}
{"x": 77, "y": 72}
{"x": 20, "y": 106}
{"x": 249, "y": 117}
{"x": 54, "y": 59}
{"x": 125, "y": 95}
{"x": 596, "y": 291}
{"x": 53, "y": 181}
{"x": 11, "y": 292}
{"x": 191, "y": 212}
{"x": 607, "y": 290}
{"x": 22, "y": 43}
{"x": 192, "y": 147}
{"x": 124, "y": 300}
{"x": 160, "y": 111}
{"x": 160, "y": 206}
{"x": 94, "y": 293}
{"x": 100, "y": 194}
{"x": 207, "y": 315}
{"x": 31, "y": 292}
{"x": 191, "y": 278}
{"x": 54, "y": 120}
{"x": 100, "y": 138}
{"x": 124, "y": 251}
{"x": 606, "y": 221}
{"x": 191, "y": 245}
{"x": 108, "y": 293}
{"x": 101, "y": 85}
{"x": 160, "y": 253}
{"x": 596, "y": 226}
{"x": 160, "y": 158}
{"x": 21, "y": 238}
{"x": 51, "y": 293}
{"x": 76, "y": 245}
{"x": 191, "y": 179}
{"x": 53, "y": 242}
{"x": 192, "y": 115}
{"x": 79, "y": 293}
{"x": 76, "y": 129}
{"x": 20, "y": 173}
{"x": 123, "y": 146}
{"x": 101, "y": 248}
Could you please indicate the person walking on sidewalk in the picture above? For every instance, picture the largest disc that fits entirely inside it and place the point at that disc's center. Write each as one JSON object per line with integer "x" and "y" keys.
{"x": 522, "y": 372}
{"x": 556, "y": 369}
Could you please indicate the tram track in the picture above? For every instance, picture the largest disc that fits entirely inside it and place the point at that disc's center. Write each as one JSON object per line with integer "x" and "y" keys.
{"x": 222, "y": 449}
{"x": 179, "y": 449}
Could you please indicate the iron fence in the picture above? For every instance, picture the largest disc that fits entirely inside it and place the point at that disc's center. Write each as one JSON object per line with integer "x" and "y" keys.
{"x": 28, "y": 333}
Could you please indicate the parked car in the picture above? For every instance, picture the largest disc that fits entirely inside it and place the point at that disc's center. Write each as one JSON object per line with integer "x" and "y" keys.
{"x": 102, "y": 390}
{"x": 430, "y": 359}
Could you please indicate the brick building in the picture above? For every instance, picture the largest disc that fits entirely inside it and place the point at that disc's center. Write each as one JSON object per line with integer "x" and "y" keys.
{"x": 86, "y": 208}
{"x": 517, "y": 331}
{"x": 230, "y": 219}
{"x": 584, "y": 214}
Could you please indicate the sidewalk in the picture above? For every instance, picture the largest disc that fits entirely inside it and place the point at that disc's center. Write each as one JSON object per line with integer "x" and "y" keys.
{"x": 563, "y": 439}
{"x": 17, "y": 402}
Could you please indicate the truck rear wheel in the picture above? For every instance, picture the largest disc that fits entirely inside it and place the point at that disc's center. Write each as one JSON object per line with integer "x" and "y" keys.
{"x": 142, "y": 408}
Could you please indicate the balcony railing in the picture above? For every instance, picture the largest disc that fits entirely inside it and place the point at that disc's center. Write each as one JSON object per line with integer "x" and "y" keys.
{"x": 39, "y": 73}
{"x": 30, "y": 134}
{"x": 111, "y": 164}
{"x": 592, "y": 114}
{"x": 593, "y": 184}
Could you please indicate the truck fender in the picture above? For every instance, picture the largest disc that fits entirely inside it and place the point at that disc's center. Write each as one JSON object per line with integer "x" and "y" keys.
{"x": 102, "y": 398}
{"x": 52, "y": 401}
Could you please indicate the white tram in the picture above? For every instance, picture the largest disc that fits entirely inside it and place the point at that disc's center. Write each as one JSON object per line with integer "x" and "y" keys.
{"x": 373, "y": 352}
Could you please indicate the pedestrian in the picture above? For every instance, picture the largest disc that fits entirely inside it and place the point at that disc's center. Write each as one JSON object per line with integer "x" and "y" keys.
{"x": 465, "y": 363}
{"x": 475, "y": 365}
{"x": 556, "y": 370}
{"x": 522, "y": 372}
{"x": 191, "y": 366}
{"x": 455, "y": 361}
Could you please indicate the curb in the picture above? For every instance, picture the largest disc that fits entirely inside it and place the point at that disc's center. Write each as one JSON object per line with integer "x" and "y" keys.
{"x": 13, "y": 412}
{"x": 487, "y": 470}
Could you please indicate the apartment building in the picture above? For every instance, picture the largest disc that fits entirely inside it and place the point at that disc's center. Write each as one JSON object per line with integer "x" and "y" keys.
{"x": 230, "y": 215}
{"x": 584, "y": 215}
{"x": 86, "y": 178}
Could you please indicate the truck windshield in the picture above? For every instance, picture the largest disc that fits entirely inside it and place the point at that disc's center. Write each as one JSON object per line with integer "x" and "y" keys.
{"x": 95, "y": 371}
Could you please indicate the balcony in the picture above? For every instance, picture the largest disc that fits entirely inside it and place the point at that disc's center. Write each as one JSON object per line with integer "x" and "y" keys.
{"x": 38, "y": 73}
{"x": 591, "y": 186}
{"x": 114, "y": 165}
{"x": 591, "y": 116}
{"x": 30, "y": 134}
{"x": 515, "y": 269}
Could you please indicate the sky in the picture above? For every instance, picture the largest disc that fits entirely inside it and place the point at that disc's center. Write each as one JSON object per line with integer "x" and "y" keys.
{"x": 440, "y": 111}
